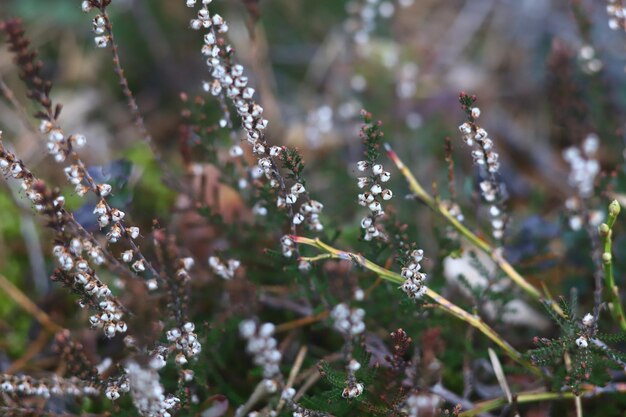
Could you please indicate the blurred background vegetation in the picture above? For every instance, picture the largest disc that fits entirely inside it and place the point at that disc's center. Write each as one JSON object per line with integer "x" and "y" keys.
{"x": 547, "y": 73}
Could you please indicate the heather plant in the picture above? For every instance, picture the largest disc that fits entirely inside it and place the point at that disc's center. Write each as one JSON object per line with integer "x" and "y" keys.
{"x": 289, "y": 254}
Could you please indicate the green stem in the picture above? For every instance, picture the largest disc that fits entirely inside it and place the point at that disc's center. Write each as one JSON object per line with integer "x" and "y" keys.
{"x": 606, "y": 234}
{"x": 494, "y": 254}
{"x": 588, "y": 391}
{"x": 443, "y": 303}
{"x": 521, "y": 398}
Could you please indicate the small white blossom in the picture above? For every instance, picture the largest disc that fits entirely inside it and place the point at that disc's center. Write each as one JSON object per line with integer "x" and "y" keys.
{"x": 588, "y": 320}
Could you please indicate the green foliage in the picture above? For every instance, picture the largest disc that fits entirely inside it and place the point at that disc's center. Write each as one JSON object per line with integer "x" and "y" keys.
{"x": 292, "y": 161}
{"x": 371, "y": 134}
{"x": 580, "y": 355}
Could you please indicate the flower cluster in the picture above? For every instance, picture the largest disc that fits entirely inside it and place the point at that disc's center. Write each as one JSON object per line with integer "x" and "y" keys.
{"x": 419, "y": 401}
{"x": 229, "y": 79}
{"x": 374, "y": 197}
{"x": 352, "y": 390}
{"x": 347, "y": 321}
{"x": 184, "y": 266}
{"x": 225, "y": 270}
{"x": 58, "y": 145}
{"x": 483, "y": 155}
{"x": 288, "y": 246}
{"x": 584, "y": 167}
{"x": 309, "y": 213}
{"x": 74, "y": 266}
{"x": 109, "y": 218}
{"x": 147, "y": 393}
{"x": 116, "y": 387}
{"x": 616, "y": 10}
{"x": 413, "y": 285}
{"x": 186, "y": 342}
{"x": 99, "y": 28}
{"x": 63, "y": 146}
{"x": 74, "y": 269}
{"x": 376, "y": 194}
{"x": 262, "y": 346}
{"x": 110, "y": 319}
{"x": 54, "y": 386}
{"x": 589, "y": 60}
{"x": 363, "y": 15}
{"x": 578, "y": 216}
{"x": 587, "y": 324}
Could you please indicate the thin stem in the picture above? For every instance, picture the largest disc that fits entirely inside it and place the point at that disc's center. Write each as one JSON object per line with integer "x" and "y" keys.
{"x": 132, "y": 104}
{"x": 130, "y": 98}
{"x": 450, "y": 308}
{"x": 23, "y": 301}
{"x": 520, "y": 399}
{"x": 588, "y": 391}
{"x": 606, "y": 234}
{"x": 493, "y": 253}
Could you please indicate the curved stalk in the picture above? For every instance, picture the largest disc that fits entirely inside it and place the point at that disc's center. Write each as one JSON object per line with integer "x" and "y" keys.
{"x": 446, "y": 305}
{"x": 492, "y": 252}
{"x": 606, "y": 234}
{"x": 589, "y": 391}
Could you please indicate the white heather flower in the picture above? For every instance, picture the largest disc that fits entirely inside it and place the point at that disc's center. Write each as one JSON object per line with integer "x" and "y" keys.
{"x": 101, "y": 41}
{"x": 275, "y": 151}
{"x": 225, "y": 270}
{"x": 297, "y": 188}
{"x": 584, "y": 168}
{"x": 117, "y": 215}
{"x": 366, "y": 222}
{"x": 262, "y": 346}
{"x": 354, "y": 365}
{"x": 247, "y": 328}
{"x": 133, "y": 231}
{"x": 139, "y": 266}
{"x": 103, "y": 220}
{"x": 348, "y": 321}
{"x": 288, "y": 394}
{"x": 79, "y": 140}
{"x": 288, "y": 246}
{"x": 188, "y": 262}
{"x": 259, "y": 209}
{"x": 359, "y": 294}
{"x": 375, "y": 207}
{"x": 235, "y": 151}
{"x": 152, "y": 284}
{"x": 362, "y": 165}
{"x": 475, "y": 112}
{"x": 112, "y": 393}
{"x": 413, "y": 285}
{"x": 581, "y": 342}
{"x": 104, "y": 190}
{"x": 55, "y": 135}
{"x": 588, "y": 320}
{"x": 147, "y": 392}
{"x": 291, "y": 198}
{"x": 465, "y": 128}
{"x": 352, "y": 391}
